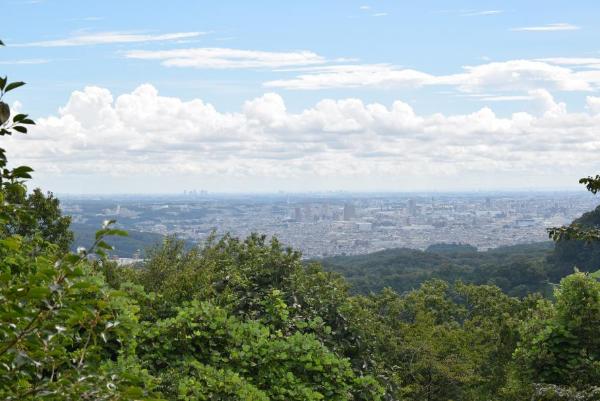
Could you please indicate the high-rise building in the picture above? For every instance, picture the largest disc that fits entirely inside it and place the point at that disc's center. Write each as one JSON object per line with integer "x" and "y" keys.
{"x": 412, "y": 207}
{"x": 307, "y": 212}
{"x": 349, "y": 211}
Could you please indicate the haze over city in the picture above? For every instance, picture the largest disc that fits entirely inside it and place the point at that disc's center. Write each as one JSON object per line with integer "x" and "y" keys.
{"x": 311, "y": 96}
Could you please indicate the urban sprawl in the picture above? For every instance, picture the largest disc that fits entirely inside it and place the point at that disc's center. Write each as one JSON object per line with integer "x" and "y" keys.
{"x": 336, "y": 224}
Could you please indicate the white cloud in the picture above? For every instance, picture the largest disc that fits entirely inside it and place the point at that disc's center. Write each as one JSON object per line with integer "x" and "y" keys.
{"x": 224, "y": 58}
{"x": 585, "y": 61}
{"x": 25, "y": 61}
{"x": 547, "y": 104}
{"x": 482, "y": 13}
{"x": 143, "y": 134}
{"x": 517, "y": 75}
{"x": 101, "y": 38}
{"x": 593, "y": 104}
{"x": 504, "y": 98}
{"x": 353, "y": 76}
{"x": 512, "y": 75}
{"x": 379, "y": 15}
{"x": 317, "y": 72}
{"x": 561, "y": 26}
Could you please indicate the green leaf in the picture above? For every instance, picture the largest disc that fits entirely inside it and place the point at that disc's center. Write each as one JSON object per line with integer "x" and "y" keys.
{"x": 72, "y": 258}
{"x": 104, "y": 245}
{"x": 22, "y": 172}
{"x": 38, "y": 292}
{"x": 13, "y": 85}
{"x": 19, "y": 117}
{"x": 3, "y": 82}
{"x": 120, "y": 233}
{"x": 13, "y": 243}
{"x": 21, "y": 129}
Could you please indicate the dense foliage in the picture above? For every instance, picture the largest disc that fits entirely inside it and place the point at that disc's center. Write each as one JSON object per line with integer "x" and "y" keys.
{"x": 576, "y": 251}
{"x": 518, "y": 270}
{"x": 249, "y": 320}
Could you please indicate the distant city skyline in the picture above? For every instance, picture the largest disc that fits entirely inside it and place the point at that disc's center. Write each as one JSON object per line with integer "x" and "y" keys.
{"x": 333, "y": 225}
{"x": 258, "y": 97}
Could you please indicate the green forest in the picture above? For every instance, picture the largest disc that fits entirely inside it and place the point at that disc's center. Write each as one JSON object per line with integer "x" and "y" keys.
{"x": 248, "y": 319}
{"x": 517, "y": 270}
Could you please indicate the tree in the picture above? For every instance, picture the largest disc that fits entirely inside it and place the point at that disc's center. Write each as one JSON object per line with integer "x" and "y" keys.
{"x": 439, "y": 342}
{"x": 576, "y": 231}
{"x": 64, "y": 334}
{"x": 560, "y": 343}
{"x": 44, "y": 217}
{"x": 270, "y": 313}
{"x": 557, "y": 357}
{"x": 203, "y": 343}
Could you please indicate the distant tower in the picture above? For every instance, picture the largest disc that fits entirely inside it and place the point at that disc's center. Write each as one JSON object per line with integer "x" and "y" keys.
{"x": 412, "y": 207}
{"x": 349, "y": 211}
{"x": 298, "y": 214}
{"x": 488, "y": 203}
{"x": 307, "y": 212}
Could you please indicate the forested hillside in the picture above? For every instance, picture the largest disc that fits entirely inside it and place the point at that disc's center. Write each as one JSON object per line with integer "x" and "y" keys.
{"x": 517, "y": 270}
{"x": 136, "y": 242}
{"x": 584, "y": 254}
{"x": 247, "y": 319}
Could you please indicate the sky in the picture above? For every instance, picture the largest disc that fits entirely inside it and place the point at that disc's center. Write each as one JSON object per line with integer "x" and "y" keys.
{"x": 265, "y": 96}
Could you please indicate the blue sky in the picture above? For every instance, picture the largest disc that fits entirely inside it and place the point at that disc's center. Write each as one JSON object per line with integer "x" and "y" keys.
{"x": 311, "y": 95}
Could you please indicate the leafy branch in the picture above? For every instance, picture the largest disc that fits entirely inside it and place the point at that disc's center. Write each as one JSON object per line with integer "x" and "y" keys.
{"x": 576, "y": 231}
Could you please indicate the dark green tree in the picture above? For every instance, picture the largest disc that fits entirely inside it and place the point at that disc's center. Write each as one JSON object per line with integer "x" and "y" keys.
{"x": 43, "y": 217}
{"x": 559, "y": 343}
{"x": 64, "y": 334}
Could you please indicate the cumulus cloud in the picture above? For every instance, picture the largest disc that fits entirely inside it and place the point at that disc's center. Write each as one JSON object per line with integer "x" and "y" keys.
{"x": 512, "y": 75}
{"x": 561, "y": 26}
{"x": 224, "y": 58}
{"x": 101, "y": 38}
{"x": 145, "y": 134}
{"x": 593, "y": 104}
{"x": 517, "y": 75}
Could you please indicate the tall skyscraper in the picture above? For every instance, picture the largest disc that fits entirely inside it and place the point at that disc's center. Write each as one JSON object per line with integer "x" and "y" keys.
{"x": 349, "y": 211}
{"x": 412, "y": 207}
{"x": 298, "y": 214}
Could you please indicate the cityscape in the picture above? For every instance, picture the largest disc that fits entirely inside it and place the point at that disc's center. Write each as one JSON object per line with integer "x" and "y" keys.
{"x": 321, "y": 225}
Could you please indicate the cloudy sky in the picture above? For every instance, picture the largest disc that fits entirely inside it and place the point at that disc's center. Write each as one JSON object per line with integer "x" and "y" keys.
{"x": 258, "y": 96}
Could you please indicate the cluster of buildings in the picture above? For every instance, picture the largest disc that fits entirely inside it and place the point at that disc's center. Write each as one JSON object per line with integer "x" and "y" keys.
{"x": 334, "y": 224}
